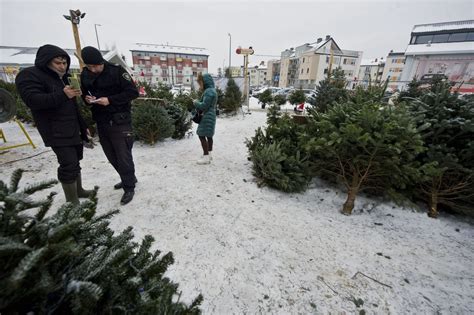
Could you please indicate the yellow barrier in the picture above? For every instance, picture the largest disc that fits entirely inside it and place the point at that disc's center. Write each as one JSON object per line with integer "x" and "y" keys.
{"x": 30, "y": 142}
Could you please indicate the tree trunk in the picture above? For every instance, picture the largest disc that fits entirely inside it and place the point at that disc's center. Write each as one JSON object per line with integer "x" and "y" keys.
{"x": 349, "y": 204}
{"x": 433, "y": 211}
{"x": 351, "y": 195}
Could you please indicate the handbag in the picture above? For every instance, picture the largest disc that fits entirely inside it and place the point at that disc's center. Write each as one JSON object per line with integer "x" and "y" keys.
{"x": 197, "y": 117}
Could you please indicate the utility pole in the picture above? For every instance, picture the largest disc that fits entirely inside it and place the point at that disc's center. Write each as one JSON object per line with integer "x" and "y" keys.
{"x": 97, "y": 36}
{"x": 230, "y": 49}
{"x": 246, "y": 52}
{"x": 75, "y": 17}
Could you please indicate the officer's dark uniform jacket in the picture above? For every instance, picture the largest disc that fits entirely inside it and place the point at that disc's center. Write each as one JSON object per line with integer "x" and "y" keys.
{"x": 56, "y": 116}
{"x": 115, "y": 84}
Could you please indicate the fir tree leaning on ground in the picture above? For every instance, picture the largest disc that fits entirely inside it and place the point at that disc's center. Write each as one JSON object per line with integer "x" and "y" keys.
{"x": 446, "y": 123}
{"x": 72, "y": 263}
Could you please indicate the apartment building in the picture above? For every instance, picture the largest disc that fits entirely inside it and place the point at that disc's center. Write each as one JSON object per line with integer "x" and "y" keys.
{"x": 393, "y": 69}
{"x": 370, "y": 71}
{"x": 306, "y": 65}
{"x": 257, "y": 74}
{"x": 443, "y": 49}
{"x": 273, "y": 72}
{"x": 170, "y": 65}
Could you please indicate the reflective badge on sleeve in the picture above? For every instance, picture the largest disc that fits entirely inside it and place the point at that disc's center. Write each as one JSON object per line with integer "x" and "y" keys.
{"x": 126, "y": 76}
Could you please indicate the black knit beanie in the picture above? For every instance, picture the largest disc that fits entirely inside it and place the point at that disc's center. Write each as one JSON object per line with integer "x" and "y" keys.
{"x": 91, "y": 56}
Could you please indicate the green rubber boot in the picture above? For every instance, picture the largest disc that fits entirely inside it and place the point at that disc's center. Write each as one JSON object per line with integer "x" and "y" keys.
{"x": 81, "y": 192}
{"x": 70, "y": 191}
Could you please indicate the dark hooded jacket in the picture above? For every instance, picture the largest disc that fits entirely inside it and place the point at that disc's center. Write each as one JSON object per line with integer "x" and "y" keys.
{"x": 56, "y": 116}
{"x": 113, "y": 82}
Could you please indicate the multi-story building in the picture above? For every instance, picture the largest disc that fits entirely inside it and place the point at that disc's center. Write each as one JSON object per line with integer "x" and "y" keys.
{"x": 257, "y": 74}
{"x": 393, "y": 70}
{"x": 370, "y": 71}
{"x": 273, "y": 72}
{"x": 308, "y": 64}
{"x": 237, "y": 71}
{"x": 170, "y": 65}
{"x": 442, "y": 49}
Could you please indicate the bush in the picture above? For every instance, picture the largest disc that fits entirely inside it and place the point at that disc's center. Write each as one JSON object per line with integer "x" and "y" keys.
{"x": 232, "y": 98}
{"x": 446, "y": 123}
{"x": 297, "y": 97}
{"x": 279, "y": 100}
{"x": 265, "y": 98}
{"x": 23, "y": 112}
{"x": 151, "y": 122}
{"x": 330, "y": 90}
{"x": 365, "y": 146}
{"x": 71, "y": 262}
{"x": 181, "y": 119}
{"x": 275, "y": 155}
{"x": 278, "y": 170}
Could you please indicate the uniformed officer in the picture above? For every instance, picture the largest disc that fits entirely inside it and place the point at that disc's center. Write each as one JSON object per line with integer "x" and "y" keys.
{"x": 109, "y": 90}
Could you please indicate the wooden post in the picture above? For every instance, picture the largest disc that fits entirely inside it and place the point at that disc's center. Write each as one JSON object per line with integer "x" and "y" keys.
{"x": 75, "y": 31}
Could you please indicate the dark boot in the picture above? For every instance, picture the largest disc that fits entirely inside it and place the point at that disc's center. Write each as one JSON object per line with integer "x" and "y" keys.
{"x": 81, "y": 192}
{"x": 127, "y": 197}
{"x": 70, "y": 191}
{"x": 120, "y": 185}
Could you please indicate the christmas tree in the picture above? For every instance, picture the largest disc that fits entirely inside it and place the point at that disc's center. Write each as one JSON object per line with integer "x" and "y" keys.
{"x": 72, "y": 262}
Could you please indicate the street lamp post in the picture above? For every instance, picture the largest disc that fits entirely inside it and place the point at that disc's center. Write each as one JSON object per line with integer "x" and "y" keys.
{"x": 97, "y": 36}
{"x": 230, "y": 54}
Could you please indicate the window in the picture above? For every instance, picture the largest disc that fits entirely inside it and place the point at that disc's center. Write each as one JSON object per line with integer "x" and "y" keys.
{"x": 327, "y": 59}
{"x": 303, "y": 60}
{"x": 301, "y": 70}
{"x": 180, "y": 72}
{"x": 307, "y": 70}
{"x": 423, "y": 39}
{"x": 325, "y": 71}
{"x": 458, "y": 37}
{"x": 440, "y": 38}
{"x": 470, "y": 36}
{"x": 344, "y": 61}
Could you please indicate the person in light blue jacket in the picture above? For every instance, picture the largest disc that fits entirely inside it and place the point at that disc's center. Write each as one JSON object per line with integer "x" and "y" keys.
{"x": 207, "y": 126}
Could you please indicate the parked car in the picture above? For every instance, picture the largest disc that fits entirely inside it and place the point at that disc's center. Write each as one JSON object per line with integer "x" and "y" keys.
{"x": 310, "y": 95}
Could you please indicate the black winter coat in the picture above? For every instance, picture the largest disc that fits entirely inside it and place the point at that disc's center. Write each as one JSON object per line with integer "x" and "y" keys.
{"x": 56, "y": 116}
{"x": 113, "y": 82}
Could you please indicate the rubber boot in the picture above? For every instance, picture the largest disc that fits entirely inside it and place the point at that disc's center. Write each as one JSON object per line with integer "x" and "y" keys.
{"x": 81, "y": 192}
{"x": 70, "y": 191}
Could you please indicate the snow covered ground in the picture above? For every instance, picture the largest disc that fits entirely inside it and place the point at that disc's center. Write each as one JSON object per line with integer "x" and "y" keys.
{"x": 252, "y": 250}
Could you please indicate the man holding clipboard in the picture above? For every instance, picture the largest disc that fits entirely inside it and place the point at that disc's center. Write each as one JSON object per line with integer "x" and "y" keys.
{"x": 109, "y": 90}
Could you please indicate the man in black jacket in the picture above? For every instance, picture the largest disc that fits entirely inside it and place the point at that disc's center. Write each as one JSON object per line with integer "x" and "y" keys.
{"x": 44, "y": 89}
{"x": 110, "y": 90}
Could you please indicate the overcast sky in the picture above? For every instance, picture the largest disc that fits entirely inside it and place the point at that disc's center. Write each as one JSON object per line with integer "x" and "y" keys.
{"x": 374, "y": 27}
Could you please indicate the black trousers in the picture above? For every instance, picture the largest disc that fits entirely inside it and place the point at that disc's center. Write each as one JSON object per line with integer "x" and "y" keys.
{"x": 117, "y": 143}
{"x": 68, "y": 159}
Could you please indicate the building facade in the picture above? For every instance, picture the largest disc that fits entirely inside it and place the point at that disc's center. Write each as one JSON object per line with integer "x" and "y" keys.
{"x": 442, "y": 49}
{"x": 306, "y": 65}
{"x": 169, "y": 65}
{"x": 393, "y": 69}
{"x": 370, "y": 72}
{"x": 257, "y": 74}
{"x": 273, "y": 73}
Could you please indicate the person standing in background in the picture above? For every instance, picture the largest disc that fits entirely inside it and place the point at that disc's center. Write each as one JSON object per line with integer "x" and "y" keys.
{"x": 207, "y": 126}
